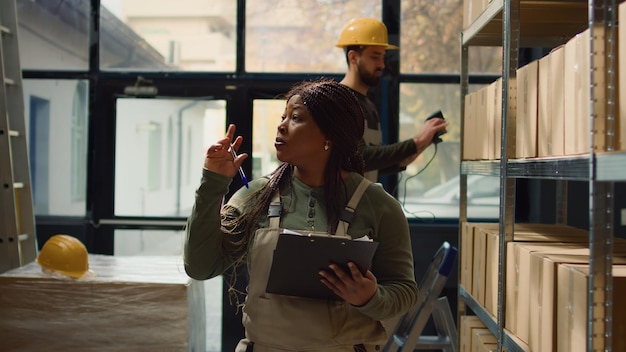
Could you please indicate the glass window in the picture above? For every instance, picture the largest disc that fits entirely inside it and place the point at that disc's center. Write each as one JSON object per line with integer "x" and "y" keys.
{"x": 429, "y": 188}
{"x": 430, "y": 40}
{"x": 300, "y": 36}
{"x": 79, "y": 142}
{"x": 265, "y": 119}
{"x": 53, "y": 35}
{"x": 148, "y": 243}
{"x": 157, "y": 35}
{"x": 170, "y": 243}
{"x": 56, "y": 113}
{"x": 154, "y": 152}
{"x": 143, "y": 164}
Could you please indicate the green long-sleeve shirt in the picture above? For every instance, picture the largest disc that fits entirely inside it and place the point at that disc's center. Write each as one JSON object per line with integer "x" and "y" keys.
{"x": 384, "y": 157}
{"x": 378, "y": 215}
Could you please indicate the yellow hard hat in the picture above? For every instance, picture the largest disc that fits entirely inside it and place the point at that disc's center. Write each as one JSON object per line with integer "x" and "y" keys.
{"x": 66, "y": 255}
{"x": 364, "y": 31}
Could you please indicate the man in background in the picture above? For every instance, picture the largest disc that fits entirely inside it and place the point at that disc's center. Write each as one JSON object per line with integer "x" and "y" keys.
{"x": 364, "y": 41}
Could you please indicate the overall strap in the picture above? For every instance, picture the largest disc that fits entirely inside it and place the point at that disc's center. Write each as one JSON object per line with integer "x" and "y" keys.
{"x": 347, "y": 215}
{"x": 274, "y": 211}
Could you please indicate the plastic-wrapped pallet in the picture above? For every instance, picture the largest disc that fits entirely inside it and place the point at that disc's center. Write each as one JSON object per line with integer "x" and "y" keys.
{"x": 130, "y": 304}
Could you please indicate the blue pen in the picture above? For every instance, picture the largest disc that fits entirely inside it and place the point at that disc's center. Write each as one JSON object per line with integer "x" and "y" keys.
{"x": 243, "y": 176}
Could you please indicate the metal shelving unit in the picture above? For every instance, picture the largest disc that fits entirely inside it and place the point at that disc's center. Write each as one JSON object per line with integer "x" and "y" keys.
{"x": 512, "y": 24}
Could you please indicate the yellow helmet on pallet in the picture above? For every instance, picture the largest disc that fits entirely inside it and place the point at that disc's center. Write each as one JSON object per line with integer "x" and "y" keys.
{"x": 66, "y": 255}
{"x": 364, "y": 31}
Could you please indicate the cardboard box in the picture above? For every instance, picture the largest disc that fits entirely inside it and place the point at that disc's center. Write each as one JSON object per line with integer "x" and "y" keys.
{"x": 466, "y": 254}
{"x": 467, "y": 325}
{"x": 544, "y": 114}
{"x": 490, "y": 125}
{"x": 479, "y": 255}
{"x": 483, "y": 127}
{"x": 556, "y": 83}
{"x": 490, "y": 347}
{"x": 476, "y": 129}
{"x": 491, "y": 273}
{"x": 523, "y": 233}
{"x": 494, "y": 114}
{"x": 518, "y": 280}
{"x": 480, "y": 336}
{"x": 486, "y": 342}
{"x": 572, "y": 308}
{"x": 469, "y": 127}
{"x": 572, "y": 76}
{"x": 577, "y": 95}
{"x": 497, "y": 118}
{"x": 526, "y": 119}
{"x": 479, "y": 266}
{"x": 551, "y": 104}
{"x": 131, "y": 304}
{"x": 583, "y": 97}
{"x": 543, "y": 295}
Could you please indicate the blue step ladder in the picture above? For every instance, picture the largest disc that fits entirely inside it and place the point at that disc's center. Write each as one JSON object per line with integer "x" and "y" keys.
{"x": 407, "y": 335}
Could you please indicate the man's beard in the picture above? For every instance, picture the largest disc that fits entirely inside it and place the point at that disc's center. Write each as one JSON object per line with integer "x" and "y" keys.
{"x": 368, "y": 78}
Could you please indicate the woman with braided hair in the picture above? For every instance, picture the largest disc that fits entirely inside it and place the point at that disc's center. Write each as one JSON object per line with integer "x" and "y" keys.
{"x": 317, "y": 143}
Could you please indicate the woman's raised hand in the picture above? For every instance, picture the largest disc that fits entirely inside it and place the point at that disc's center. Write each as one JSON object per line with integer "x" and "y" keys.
{"x": 219, "y": 158}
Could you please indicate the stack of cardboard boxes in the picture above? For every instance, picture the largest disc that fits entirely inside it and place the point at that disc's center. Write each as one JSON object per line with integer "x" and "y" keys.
{"x": 553, "y": 105}
{"x": 544, "y": 264}
{"x": 131, "y": 304}
{"x": 475, "y": 336}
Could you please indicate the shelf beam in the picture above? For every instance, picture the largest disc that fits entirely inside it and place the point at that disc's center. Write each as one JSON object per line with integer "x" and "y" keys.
{"x": 542, "y": 23}
{"x": 574, "y": 168}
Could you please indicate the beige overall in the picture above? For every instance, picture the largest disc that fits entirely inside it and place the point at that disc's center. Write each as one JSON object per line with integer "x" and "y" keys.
{"x": 286, "y": 323}
{"x": 372, "y": 137}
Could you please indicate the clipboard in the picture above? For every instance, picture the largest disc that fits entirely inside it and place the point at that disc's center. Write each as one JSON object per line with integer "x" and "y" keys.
{"x": 298, "y": 259}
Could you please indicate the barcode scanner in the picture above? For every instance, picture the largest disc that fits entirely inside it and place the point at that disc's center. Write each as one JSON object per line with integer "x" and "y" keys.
{"x": 437, "y": 136}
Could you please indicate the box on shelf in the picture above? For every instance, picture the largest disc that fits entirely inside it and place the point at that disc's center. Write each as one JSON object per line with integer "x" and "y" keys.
{"x": 480, "y": 240}
{"x": 544, "y": 294}
{"x": 526, "y": 119}
{"x": 483, "y": 127}
{"x": 485, "y": 283}
{"x": 466, "y": 253}
{"x": 484, "y": 261}
{"x": 577, "y": 95}
{"x": 498, "y": 117}
{"x": 520, "y": 274}
{"x": 551, "y": 104}
{"x": 494, "y": 117}
{"x": 470, "y": 127}
{"x": 468, "y": 324}
{"x": 544, "y": 113}
{"x": 131, "y": 304}
{"x": 480, "y": 337}
{"x": 572, "y": 308}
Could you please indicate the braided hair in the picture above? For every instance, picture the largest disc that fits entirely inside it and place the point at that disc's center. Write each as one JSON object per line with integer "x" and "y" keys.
{"x": 338, "y": 114}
